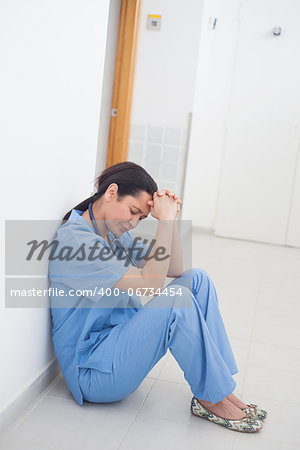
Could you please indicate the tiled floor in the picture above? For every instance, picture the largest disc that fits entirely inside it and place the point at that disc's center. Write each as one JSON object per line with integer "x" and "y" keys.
{"x": 259, "y": 291}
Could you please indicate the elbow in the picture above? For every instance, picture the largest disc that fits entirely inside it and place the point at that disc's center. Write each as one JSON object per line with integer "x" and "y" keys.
{"x": 154, "y": 282}
{"x": 176, "y": 274}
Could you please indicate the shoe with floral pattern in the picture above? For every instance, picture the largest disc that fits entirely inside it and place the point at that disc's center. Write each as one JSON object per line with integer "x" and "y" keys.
{"x": 249, "y": 424}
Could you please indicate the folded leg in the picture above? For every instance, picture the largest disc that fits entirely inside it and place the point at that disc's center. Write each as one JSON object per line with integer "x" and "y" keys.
{"x": 174, "y": 322}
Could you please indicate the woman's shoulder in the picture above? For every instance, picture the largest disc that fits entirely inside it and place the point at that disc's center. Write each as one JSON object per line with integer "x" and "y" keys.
{"x": 76, "y": 228}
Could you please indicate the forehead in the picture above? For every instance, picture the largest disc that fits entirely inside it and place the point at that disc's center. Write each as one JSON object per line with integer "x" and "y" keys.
{"x": 139, "y": 202}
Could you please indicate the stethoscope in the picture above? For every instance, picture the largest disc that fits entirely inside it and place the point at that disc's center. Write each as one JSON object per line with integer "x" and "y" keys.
{"x": 111, "y": 241}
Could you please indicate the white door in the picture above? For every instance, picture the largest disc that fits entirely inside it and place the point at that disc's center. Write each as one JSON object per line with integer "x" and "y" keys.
{"x": 257, "y": 185}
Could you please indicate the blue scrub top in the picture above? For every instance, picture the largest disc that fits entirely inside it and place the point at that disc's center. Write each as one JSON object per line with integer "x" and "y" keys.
{"x": 80, "y": 323}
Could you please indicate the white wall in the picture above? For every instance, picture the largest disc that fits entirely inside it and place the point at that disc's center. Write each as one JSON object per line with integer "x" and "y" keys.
{"x": 262, "y": 136}
{"x": 165, "y": 64}
{"x": 52, "y": 61}
{"x": 213, "y": 81}
{"x": 164, "y": 89}
{"x": 275, "y": 200}
{"x": 108, "y": 83}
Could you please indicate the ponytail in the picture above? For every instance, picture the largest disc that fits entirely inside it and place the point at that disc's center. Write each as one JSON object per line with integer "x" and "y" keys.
{"x": 83, "y": 206}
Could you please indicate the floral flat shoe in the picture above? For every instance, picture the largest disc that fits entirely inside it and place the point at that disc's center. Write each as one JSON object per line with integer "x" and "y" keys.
{"x": 255, "y": 411}
{"x": 249, "y": 424}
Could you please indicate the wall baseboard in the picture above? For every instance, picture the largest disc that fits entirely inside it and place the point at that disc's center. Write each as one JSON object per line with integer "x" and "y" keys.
{"x": 203, "y": 230}
{"x": 23, "y": 401}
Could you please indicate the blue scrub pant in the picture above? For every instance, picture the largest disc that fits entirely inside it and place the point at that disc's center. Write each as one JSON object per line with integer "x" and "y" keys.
{"x": 189, "y": 325}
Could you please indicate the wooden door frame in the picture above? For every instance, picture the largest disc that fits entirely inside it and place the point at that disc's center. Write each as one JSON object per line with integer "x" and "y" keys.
{"x": 123, "y": 81}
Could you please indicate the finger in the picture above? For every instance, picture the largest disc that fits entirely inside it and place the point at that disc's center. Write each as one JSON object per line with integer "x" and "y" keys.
{"x": 170, "y": 193}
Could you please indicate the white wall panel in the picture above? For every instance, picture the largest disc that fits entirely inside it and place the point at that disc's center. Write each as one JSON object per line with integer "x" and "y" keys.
{"x": 52, "y": 59}
{"x": 215, "y": 61}
{"x": 262, "y": 137}
{"x": 164, "y": 89}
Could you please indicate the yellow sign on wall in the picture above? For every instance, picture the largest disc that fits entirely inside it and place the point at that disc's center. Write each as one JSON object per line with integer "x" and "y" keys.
{"x": 154, "y": 22}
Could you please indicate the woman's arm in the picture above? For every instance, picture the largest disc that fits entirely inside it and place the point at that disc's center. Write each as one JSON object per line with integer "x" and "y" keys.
{"x": 176, "y": 261}
{"x": 156, "y": 269}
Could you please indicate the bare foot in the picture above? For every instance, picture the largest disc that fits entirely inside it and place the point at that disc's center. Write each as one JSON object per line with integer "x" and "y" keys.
{"x": 236, "y": 401}
{"x": 225, "y": 409}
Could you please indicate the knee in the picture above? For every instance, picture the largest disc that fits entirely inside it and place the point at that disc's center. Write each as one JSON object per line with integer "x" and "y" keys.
{"x": 202, "y": 273}
{"x": 195, "y": 278}
{"x": 175, "y": 289}
{"x": 179, "y": 296}
{"x": 196, "y": 272}
{"x": 201, "y": 280}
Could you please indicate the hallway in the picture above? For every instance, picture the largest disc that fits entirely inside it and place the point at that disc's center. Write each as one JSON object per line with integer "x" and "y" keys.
{"x": 258, "y": 287}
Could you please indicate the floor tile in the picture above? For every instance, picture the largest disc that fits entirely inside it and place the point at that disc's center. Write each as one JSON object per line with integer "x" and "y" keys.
{"x": 168, "y": 401}
{"x": 164, "y": 434}
{"x": 240, "y": 350}
{"x": 278, "y": 293}
{"x": 282, "y": 264}
{"x": 156, "y": 370}
{"x": 245, "y": 442}
{"x": 10, "y": 444}
{"x": 275, "y": 357}
{"x": 229, "y": 249}
{"x": 228, "y": 297}
{"x": 277, "y": 326}
{"x": 238, "y": 319}
{"x": 61, "y": 424}
{"x": 282, "y": 423}
{"x": 172, "y": 371}
{"x": 60, "y": 390}
{"x": 237, "y": 278}
{"x": 272, "y": 384}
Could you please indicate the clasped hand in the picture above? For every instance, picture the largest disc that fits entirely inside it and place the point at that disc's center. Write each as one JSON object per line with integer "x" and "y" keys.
{"x": 165, "y": 205}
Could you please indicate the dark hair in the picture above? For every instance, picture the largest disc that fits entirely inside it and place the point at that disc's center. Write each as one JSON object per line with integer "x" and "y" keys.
{"x": 130, "y": 178}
